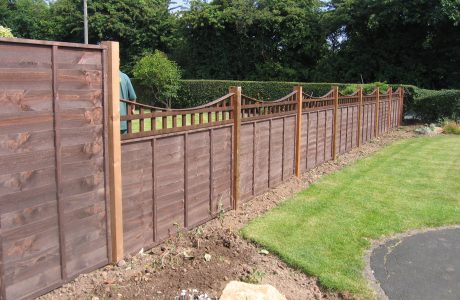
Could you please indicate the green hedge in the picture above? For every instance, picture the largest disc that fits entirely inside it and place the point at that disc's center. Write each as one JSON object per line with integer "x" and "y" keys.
{"x": 198, "y": 92}
{"x": 426, "y": 105}
{"x": 431, "y": 105}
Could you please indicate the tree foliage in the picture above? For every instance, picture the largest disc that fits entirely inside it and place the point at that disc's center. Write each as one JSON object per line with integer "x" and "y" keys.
{"x": 160, "y": 75}
{"x": 412, "y": 41}
{"x": 249, "y": 39}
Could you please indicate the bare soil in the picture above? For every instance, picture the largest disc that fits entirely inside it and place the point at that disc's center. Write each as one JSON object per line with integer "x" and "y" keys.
{"x": 208, "y": 257}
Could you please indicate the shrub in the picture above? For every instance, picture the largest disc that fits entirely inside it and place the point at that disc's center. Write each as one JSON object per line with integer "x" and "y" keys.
{"x": 431, "y": 105}
{"x": 450, "y": 126}
{"x": 197, "y": 92}
{"x": 367, "y": 88}
{"x": 5, "y": 32}
{"x": 159, "y": 76}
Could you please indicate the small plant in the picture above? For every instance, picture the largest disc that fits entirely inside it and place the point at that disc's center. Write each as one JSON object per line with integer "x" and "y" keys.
{"x": 254, "y": 277}
{"x": 450, "y": 126}
{"x": 221, "y": 212}
{"x": 5, "y": 32}
{"x": 159, "y": 75}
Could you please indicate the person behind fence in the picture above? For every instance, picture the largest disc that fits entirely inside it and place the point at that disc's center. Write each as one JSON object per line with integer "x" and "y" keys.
{"x": 127, "y": 93}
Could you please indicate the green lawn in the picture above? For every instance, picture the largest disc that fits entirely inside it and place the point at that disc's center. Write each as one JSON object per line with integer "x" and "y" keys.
{"x": 325, "y": 229}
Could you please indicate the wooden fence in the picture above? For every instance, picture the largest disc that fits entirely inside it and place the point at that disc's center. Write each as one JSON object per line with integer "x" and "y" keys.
{"x": 76, "y": 195}
{"x": 53, "y": 162}
{"x": 181, "y": 167}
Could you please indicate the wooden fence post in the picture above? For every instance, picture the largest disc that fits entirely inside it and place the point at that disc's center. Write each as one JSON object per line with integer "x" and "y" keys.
{"x": 376, "y": 129}
{"x": 236, "y": 102}
{"x": 390, "y": 98}
{"x": 335, "y": 90}
{"x": 360, "y": 113}
{"x": 299, "y": 98}
{"x": 116, "y": 207}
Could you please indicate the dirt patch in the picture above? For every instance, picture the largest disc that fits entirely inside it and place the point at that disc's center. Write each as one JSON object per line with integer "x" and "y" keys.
{"x": 210, "y": 256}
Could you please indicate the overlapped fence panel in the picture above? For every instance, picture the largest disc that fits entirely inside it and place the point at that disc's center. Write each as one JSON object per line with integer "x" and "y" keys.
{"x": 183, "y": 170}
{"x": 368, "y": 117}
{"x": 53, "y": 175}
{"x": 347, "y": 129}
{"x": 317, "y": 130}
{"x": 267, "y": 143}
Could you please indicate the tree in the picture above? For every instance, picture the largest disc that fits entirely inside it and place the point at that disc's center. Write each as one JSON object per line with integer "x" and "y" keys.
{"x": 249, "y": 39}
{"x": 159, "y": 75}
{"x": 27, "y": 18}
{"x": 415, "y": 42}
{"x": 5, "y": 32}
{"x": 137, "y": 25}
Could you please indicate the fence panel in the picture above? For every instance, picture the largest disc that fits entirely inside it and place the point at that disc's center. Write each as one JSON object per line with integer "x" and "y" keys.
{"x": 176, "y": 169}
{"x": 267, "y": 144}
{"x": 316, "y": 131}
{"x": 53, "y": 193}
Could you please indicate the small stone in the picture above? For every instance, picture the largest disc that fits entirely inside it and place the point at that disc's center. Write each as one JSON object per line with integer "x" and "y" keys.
{"x": 95, "y": 298}
{"x": 121, "y": 263}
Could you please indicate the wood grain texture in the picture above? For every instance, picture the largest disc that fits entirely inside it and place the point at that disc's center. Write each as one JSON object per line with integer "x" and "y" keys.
{"x": 52, "y": 196}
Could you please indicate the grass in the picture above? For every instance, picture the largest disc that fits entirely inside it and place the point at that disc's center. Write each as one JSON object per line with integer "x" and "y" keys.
{"x": 325, "y": 229}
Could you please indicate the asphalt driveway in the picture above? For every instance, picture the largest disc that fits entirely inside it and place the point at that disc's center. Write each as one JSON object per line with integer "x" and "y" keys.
{"x": 422, "y": 266}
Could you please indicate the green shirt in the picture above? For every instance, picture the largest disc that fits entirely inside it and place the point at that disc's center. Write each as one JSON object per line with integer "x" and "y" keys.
{"x": 127, "y": 93}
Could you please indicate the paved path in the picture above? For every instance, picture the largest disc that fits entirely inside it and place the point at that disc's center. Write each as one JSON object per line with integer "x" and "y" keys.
{"x": 423, "y": 266}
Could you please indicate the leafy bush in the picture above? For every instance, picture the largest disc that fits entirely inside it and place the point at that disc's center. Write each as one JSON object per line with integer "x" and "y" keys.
{"x": 450, "y": 126}
{"x": 159, "y": 76}
{"x": 367, "y": 88}
{"x": 5, "y": 32}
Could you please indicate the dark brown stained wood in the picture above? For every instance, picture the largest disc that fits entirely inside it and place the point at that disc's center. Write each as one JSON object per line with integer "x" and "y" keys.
{"x": 36, "y": 121}
{"x": 16, "y": 101}
{"x": 18, "y": 56}
{"x": 335, "y": 94}
{"x": 53, "y": 212}
{"x": 377, "y": 111}
{"x": 211, "y": 171}
{"x": 137, "y": 196}
{"x": 360, "y": 116}
{"x": 303, "y": 143}
{"x": 26, "y": 142}
{"x": 247, "y": 156}
{"x": 261, "y": 155}
{"x": 320, "y": 140}
{"x": 78, "y": 99}
{"x": 2, "y": 273}
{"x": 198, "y": 175}
{"x": 154, "y": 200}
{"x": 236, "y": 103}
{"x": 299, "y": 99}
{"x": 289, "y": 147}
{"x": 222, "y": 169}
{"x": 169, "y": 173}
{"x": 329, "y": 132}
{"x": 29, "y": 43}
{"x": 27, "y": 180}
{"x": 276, "y": 152}
{"x": 58, "y": 164}
{"x": 312, "y": 134}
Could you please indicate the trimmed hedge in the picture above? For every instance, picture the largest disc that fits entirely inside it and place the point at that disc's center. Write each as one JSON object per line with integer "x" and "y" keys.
{"x": 432, "y": 105}
{"x": 197, "y": 92}
{"x": 426, "y": 105}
